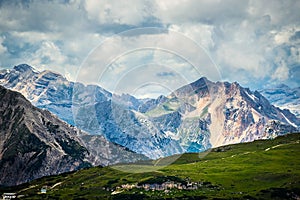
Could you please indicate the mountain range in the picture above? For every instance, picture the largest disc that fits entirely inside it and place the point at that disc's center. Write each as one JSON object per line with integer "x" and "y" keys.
{"x": 284, "y": 97}
{"x": 193, "y": 118}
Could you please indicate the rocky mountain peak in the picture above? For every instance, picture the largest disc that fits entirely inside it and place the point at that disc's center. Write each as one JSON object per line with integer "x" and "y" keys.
{"x": 23, "y": 68}
{"x": 201, "y": 82}
{"x": 201, "y": 87}
{"x": 51, "y": 75}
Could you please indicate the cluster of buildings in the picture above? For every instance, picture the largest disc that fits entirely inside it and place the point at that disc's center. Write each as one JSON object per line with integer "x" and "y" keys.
{"x": 164, "y": 186}
{"x": 9, "y": 196}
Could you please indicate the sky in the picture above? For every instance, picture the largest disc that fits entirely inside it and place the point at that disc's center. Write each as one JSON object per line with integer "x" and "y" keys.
{"x": 147, "y": 48}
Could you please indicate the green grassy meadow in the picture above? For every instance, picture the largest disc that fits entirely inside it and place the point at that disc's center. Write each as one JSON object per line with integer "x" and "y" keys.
{"x": 264, "y": 169}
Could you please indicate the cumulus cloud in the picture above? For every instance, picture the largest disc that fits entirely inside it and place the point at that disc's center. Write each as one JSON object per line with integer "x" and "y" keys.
{"x": 3, "y": 49}
{"x": 285, "y": 35}
{"x": 48, "y": 53}
{"x": 201, "y": 33}
{"x": 205, "y": 11}
{"x": 242, "y": 39}
{"x": 282, "y": 72}
{"x": 132, "y": 12}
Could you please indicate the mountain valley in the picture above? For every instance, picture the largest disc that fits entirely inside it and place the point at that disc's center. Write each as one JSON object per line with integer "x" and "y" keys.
{"x": 263, "y": 169}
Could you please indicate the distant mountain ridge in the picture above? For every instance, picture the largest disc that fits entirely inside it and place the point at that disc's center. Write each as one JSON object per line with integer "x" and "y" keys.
{"x": 34, "y": 143}
{"x": 284, "y": 97}
{"x": 194, "y": 118}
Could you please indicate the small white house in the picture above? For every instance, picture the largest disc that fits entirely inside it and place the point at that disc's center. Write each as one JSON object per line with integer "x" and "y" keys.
{"x": 9, "y": 196}
{"x": 44, "y": 190}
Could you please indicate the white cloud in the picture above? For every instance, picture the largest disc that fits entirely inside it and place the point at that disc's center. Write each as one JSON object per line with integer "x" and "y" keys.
{"x": 48, "y": 53}
{"x": 205, "y": 11}
{"x": 34, "y": 36}
{"x": 243, "y": 39}
{"x": 3, "y": 49}
{"x": 201, "y": 33}
{"x": 281, "y": 73}
{"x": 295, "y": 54}
{"x": 132, "y": 12}
{"x": 284, "y": 35}
{"x": 235, "y": 57}
{"x": 281, "y": 13}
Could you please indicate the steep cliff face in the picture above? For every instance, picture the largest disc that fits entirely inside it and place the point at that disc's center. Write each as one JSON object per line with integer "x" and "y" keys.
{"x": 35, "y": 143}
{"x": 194, "y": 118}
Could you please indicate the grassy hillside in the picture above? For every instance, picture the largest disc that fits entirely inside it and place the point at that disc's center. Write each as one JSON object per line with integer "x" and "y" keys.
{"x": 268, "y": 169}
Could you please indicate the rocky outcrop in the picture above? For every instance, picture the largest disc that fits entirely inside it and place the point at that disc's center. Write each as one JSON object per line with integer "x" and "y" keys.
{"x": 34, "y": 143}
